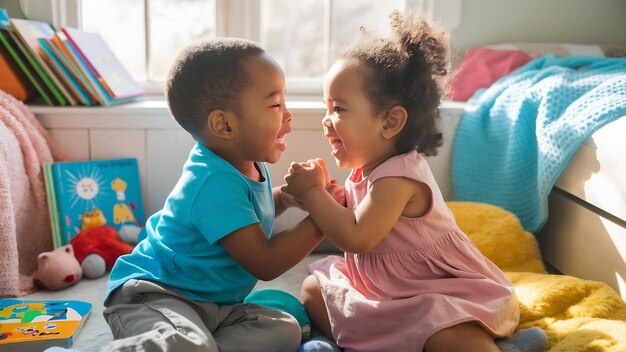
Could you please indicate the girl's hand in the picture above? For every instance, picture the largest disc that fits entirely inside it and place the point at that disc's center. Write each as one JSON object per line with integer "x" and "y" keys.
{"x": 302, "y": 177}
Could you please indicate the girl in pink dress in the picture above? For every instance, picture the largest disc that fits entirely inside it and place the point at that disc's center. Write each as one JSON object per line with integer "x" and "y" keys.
{"x": 410, "y": 279}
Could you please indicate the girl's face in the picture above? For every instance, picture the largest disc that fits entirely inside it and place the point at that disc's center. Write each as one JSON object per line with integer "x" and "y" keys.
{"x": 350, "y": 125}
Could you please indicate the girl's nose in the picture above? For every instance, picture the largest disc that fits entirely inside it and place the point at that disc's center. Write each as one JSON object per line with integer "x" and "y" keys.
{"x": 326, "y": 122}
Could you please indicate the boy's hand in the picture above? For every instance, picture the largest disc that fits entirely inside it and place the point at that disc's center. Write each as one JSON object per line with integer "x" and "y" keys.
{"x": 289, "y": 201}
{"x": 302, "y": 177}
{"x": 337, "y": 192}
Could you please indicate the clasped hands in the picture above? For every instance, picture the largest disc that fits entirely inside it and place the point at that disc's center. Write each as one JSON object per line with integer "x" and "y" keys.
{"x": 304, "y": 176}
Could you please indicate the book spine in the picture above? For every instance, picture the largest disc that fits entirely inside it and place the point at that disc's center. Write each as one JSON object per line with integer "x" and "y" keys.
{"x": 5, "y": 41}
{"x": 104, "y": 97}
{"x": 64, "y": 55}
{"x": 57, "y": 238}
{"x": 60, "y": 190}
{"x": 34, "y": 61}
{"x": 63, "y": 73}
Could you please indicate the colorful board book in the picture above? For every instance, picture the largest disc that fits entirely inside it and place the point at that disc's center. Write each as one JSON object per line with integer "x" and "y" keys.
{"x": 104, "y": 64}
{"x": 35, "y": 325}
{"x": 95, "y": 192}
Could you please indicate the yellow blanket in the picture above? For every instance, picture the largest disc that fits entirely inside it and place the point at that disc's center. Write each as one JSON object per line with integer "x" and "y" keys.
{"x": 576, "y": 314}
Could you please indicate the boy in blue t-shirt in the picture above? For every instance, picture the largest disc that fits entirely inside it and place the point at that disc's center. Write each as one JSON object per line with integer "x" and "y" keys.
{"x": 182, "y": 287}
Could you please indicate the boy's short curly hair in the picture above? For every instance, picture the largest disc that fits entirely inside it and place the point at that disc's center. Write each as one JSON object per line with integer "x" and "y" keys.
{"x": 208, "y": 75}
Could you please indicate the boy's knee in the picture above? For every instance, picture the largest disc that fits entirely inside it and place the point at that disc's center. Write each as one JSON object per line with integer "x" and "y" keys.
{"x": 284, "y": 335}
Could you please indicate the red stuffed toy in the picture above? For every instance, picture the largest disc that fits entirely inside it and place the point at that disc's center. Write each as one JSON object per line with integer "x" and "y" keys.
{"x": 96, "y": 249}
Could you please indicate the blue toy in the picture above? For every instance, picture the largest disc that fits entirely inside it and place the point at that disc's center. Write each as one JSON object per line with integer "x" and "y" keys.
{"x": 285, "y": 302}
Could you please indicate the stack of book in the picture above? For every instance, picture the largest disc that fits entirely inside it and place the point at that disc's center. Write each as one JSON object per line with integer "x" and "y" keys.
{"x": 64, "y": 67}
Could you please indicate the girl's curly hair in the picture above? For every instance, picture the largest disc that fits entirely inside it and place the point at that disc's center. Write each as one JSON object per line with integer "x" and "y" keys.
{"x": 406, "y": 69}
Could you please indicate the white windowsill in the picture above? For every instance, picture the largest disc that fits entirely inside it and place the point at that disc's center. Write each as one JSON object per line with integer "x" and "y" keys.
{"x": 152, "y": 113}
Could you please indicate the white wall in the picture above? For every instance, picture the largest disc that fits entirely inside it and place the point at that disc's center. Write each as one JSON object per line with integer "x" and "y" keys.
{"x": 552, "y": 21}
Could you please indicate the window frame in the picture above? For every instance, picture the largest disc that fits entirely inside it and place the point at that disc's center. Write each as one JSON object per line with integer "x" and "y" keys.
{"x": 234, "y": 18}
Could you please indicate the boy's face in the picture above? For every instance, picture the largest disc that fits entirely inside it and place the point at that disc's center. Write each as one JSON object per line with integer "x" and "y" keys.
{"x": 264, "y": 119}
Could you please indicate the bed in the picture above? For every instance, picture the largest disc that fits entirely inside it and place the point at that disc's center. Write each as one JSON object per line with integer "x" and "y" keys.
{"x": 584, "y": 234}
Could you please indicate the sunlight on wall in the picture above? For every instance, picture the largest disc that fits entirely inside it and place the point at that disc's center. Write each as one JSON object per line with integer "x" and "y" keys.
{"x": 621, "y": 285}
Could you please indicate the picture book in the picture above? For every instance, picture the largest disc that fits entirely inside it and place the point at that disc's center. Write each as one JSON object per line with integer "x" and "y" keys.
{"x": 35, "y": 325}
{"x": 104, "y": 64}
{"x": 25, "y": 34}
{"x": 94, "y": 192}
{"x": 20, "y": 60}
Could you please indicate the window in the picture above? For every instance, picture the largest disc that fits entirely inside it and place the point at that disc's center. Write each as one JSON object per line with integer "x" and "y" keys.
{"x": 147, "y": 35}
{"x": 302, "y": 35}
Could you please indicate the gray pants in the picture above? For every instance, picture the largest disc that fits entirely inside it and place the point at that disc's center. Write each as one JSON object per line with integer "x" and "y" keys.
{"x": 145, "y": 316}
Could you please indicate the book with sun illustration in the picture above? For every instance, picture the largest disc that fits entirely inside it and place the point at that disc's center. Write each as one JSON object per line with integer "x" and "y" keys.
{"x": 35, "y": 325}
{"x": 82, "y": 194}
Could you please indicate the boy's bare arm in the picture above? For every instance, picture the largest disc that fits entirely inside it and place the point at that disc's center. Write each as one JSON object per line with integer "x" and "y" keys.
{"x": 267, "y": 259}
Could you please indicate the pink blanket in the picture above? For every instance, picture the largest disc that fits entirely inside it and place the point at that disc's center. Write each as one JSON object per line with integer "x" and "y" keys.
{"x": 24, "y": 223}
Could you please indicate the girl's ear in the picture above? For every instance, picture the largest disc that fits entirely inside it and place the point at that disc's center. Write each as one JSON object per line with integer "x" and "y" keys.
{"x": 220, "y": 124}
{"x": 394, "y": 121}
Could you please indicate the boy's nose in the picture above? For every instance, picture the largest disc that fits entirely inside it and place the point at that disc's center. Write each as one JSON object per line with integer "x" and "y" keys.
{"x": 287, "y": 116}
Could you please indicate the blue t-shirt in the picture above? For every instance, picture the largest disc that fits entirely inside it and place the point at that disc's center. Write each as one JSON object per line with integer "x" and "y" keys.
{"x": 181, "y": 248}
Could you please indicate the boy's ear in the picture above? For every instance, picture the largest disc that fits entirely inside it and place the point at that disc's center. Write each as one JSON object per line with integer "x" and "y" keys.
{"x": 220, "y": 123}
{"x": 394, "y": 121}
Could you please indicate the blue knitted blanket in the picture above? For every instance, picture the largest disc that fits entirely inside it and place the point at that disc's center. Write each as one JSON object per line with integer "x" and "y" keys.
{"x": 516, "y": 136}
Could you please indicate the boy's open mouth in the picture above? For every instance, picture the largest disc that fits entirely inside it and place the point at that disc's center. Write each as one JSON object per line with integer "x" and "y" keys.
{"x": 280, "y": 142}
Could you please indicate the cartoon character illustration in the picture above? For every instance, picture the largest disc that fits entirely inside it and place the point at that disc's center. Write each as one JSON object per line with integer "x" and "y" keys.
{"x": 24, "y": 312}
{"x": 36, "y": 312}
{"x": 121, "y": 211}
{"x": 87, "y": 188}
{"x": 92, "y": 218}
{"x": 29, "y": 331}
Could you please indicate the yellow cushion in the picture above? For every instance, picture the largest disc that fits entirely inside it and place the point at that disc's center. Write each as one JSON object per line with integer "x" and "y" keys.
{"x": 576, "y": 314}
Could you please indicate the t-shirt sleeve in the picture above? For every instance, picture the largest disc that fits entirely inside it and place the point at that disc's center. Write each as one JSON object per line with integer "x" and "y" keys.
{"x": 223, "y": 205}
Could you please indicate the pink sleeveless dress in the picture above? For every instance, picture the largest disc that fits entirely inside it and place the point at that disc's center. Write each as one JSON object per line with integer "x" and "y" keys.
{"x": 424, "y": 276}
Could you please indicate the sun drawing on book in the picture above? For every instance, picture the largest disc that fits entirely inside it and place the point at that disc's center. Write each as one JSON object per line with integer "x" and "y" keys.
{"x": 87, "y": 185}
